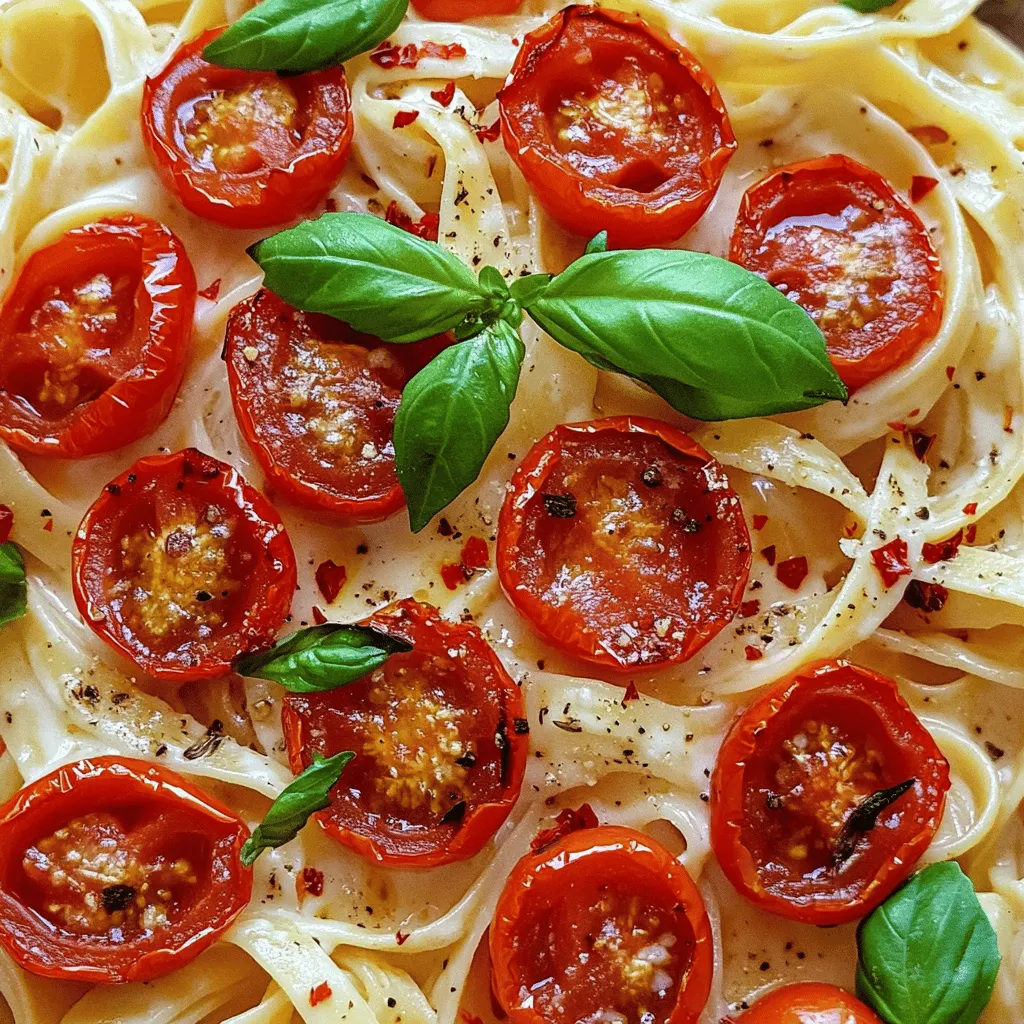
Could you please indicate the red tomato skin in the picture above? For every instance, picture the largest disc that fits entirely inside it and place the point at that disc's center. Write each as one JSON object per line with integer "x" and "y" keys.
{"x": 423, "y": 626}
{"x": 573, "y": 637}
{"x": 264, "y": 314}
{"x": 582, "y": 205}
{"x": 266, "y": 196}
{"x": 807, "y": 1003}
{"x": 273, "y": 582}
{"x": 101, "y": 783}
{"x": 846, "y": 898}
{"x": 861, "y": 184}
{"x": 451, "y": 10}
{"x": 164, "y": 302}
{"x": 618, "y": 853}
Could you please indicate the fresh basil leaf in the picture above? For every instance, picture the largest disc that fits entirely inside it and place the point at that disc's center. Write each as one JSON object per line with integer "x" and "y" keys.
{"x": 13, "y": 588}
{"x": 713, "y": 339}
{"x": 452, "y": 413}
{"x": 304, "y": 35}
{"x": 309, "y": 793}
{"x": 372, "y": 275}
{"x": 323, "y": 657}
{"x": 599, "y": 243}
{"x": 526, "y": 290}
{"x": 867, "y": 6}
{"x": 928, "y": 954}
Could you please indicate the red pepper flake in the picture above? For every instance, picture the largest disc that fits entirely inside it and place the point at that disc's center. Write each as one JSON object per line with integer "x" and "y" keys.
{"x": 970, "y": 508}
{"x": 330, "y": 578}
{"x": 891, "y": 561}
{"x": 444, "y": 96}
{"x": 490, "y": 133}
{"x": 851, "y": 529}
{"x": 444, "y": 51}
{"x": 475, "y": 556}
{"x": 792, "y": 572}
{"x": 452, "y": 575}
{"x": 400, "y": 937}
{"x": 748, "y": 609}
{"x": 319, "y": 994}
{"x": 211, "y": 291}
{"x": 898, "y": 425}
{"x": 944, "y": 550}
{"x": 972, "y": 533}
{"x": 567, "y": 822}
{"x": 369, "y": 181}
{"x": 309, "y": 883}
{"x": 920, "y": 186}
{"x": 426, "y": 227}
{"x": 921, "y": 443}
{"x": 913, "y": 413}
{"x": 768, "y": 554}
{"x": 431, "y": 164}
{"x": 950, "y": 370}
{"x": 6, "y": 522}
{"x": 632, "y": 693}
{"x": 1008, "y": 418}
{"x": 753, "y": 653}
{"x": 408, "y": 56}
{"x": 928, "y": 597}
{"x": 404, "y": 118}
{"x": 48, "y": 526}
{"x": 929, "y": 134}
{"x": 759, "y": 522}
{"x": 318, "y": 617}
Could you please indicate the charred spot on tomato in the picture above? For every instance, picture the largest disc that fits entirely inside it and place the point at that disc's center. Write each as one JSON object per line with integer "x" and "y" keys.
{"x": 836, "y": 238}
{"x": 637, "y": 575}
{"x": 615, "y": 933}
{"x": 431, "y": 779}
{"x": 801, "y": 780}
{"x": 616, "y": 126}
{"x": 182, "y": 566}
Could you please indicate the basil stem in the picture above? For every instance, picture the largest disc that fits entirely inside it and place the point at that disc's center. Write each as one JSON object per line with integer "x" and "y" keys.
{"x": 304, "y": 35}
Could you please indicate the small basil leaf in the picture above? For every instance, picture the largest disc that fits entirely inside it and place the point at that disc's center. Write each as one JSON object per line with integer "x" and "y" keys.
{"x": 372, "y": 275}
{"x": 714, "y": 339}
{"x": 13, "y": 588}
{"x": 526, "y": 290}
{"x": 928, "y": 954}
{"x": 452, "y": 413}
{"x": 867, "y": 6}
{"x": 309, "y": 793}
{"x": 492, "y": 283}
{"x": 322, "y": 657}
{"x": 599, "y": 243}
{"x": 304, "y": 35}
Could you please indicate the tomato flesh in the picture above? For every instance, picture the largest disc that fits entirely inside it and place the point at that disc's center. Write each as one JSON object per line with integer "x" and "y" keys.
{"x": 622, "y": 543}
{"x": 182, "y": 566}
{"x": 807, "y": 1003}
{"x": 245, "y": 148}
{"x": 615, "y": 126}
{"x": 601, "y": 926}
{"x": 317, "y": 401}
{"x": 463, "y": 10}
{"x": 93, "y": 336}
{"x": 836, "y": 238}
{"x": 440, "y": 740}
{"x": 115, "y": 870}
{"x": 791, "y": 772}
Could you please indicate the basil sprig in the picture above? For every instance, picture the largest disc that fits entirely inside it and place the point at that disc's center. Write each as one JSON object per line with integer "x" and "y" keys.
{"x": 867, "y": 6}
{"x": 322, "y": 657}
{"x": 309, "y": 793}
{"x": 13, "y": 588}
{"x": 713, "y": 339}
{"x": 304, "y": 35}
{"x": 928, "y": 954}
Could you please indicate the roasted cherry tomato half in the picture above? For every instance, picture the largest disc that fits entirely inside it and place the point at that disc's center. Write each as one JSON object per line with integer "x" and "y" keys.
{"x": 246, "y": 148}
{"x": 115, "y": 870}
{"x": 317, "y": 401}
{"x": 622, "y": 543}
{"x": 604, "y": 925}
{"x": 463, "y": 10}
{"x": 615, "y": 126}
{"x": 795, "y": 780}
{"x": 440, "y": 738}
{"x": 835, "y": 237}
{"x": 182, "y": 566}
{"x": 807, "y": 1003}
{"x": 93, "y": 338}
